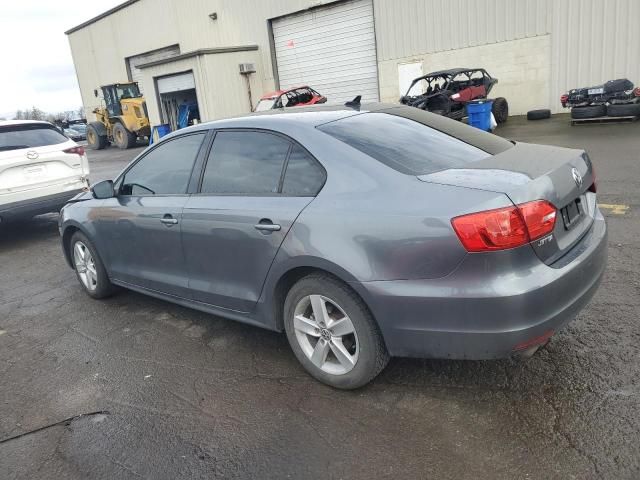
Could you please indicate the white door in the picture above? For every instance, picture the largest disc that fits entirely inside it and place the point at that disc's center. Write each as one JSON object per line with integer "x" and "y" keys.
{"x": 407, "y": 72}
{"x": 163, "y": 53}
{"x": 176, "y": 83}
{"x": 332, "y": 49}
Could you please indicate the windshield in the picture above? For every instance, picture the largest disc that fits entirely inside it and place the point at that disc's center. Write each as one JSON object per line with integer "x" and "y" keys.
{"x": 428, "y": 85}
{"x": 129, "y": 90}
{"x": 265, "y": 104}
{"x": 29, "y": 135}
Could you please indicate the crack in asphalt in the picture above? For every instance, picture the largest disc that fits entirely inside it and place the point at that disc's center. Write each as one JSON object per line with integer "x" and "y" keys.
{"x": 65, "y": 421}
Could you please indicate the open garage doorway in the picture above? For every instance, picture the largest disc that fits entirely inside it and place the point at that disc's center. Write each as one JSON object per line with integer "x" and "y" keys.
{"x": 178, "y": 100}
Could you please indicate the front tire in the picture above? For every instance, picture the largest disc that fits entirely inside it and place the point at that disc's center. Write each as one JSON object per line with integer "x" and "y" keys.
{"x": 122, "y": 137}
{"x": 89, "y": 268}
{"x": 332, "y": 333}
{"x": 94, "y": 140}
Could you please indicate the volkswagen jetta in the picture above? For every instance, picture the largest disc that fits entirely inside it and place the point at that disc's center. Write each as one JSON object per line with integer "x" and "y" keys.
{"x": 363, "y": 233}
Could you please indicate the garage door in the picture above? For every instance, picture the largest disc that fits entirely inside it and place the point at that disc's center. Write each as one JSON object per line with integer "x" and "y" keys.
{"x": 161, "y": 54}
{"x": 176, "y": 83}
{"x": 332, "y": 49}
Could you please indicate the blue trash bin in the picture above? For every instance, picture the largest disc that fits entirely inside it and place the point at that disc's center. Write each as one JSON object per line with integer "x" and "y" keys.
{"x": 158, "y": 132}
{"x": 479, "y": 113}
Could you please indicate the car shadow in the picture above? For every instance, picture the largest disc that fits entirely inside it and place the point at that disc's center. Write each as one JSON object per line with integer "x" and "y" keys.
{"x": 24, "y": 232}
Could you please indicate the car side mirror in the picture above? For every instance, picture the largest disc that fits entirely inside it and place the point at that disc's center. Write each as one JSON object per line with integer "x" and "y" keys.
{"x": 102, "y": 190}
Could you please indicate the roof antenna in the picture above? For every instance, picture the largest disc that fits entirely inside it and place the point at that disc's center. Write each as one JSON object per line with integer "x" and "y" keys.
{"x": 355, "y": 103}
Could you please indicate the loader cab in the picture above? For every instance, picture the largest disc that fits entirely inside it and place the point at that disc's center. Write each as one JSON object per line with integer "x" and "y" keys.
{"x": 118, "y": 91}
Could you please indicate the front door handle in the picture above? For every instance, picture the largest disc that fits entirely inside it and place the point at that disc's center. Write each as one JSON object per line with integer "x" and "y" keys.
{"x": 267, "y": 226}
{"x": 168, "y": 220}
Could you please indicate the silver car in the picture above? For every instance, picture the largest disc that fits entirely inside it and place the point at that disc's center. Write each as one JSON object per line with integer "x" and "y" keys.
{"x": 363, "y": 233}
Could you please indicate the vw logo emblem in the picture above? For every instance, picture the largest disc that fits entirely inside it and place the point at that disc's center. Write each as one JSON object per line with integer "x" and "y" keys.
{"x": 32, "y": 155}
{"x": 576, "y": 177}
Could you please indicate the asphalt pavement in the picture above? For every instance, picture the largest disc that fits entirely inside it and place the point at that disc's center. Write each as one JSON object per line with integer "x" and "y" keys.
{"x": 133, "y": 387}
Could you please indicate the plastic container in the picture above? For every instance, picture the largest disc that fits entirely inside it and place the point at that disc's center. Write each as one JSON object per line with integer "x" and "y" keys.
{"x": 158, "y": 132}
{"x": 479, "y": 113}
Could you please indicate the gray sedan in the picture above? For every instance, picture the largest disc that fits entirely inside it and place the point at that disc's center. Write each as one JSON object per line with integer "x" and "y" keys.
{"x": 363, "y": 233}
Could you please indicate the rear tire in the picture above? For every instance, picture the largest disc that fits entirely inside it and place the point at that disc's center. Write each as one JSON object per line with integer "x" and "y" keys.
{"x": 89, "y": 267}
{"x": 623, "y": 110}
{"x": 94, "y": 140}
{"x": 590, "y": 111}
{"x": 500, "y": 110}
{"x": 314, "y": 341}
{"x": 122, "y": 137}
{"x": 541, "y": 114}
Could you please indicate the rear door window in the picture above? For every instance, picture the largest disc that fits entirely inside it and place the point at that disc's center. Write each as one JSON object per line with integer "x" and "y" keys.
{"x": 29, "y": 135}
{"x": 304, "y": 177}
{"x": 405, "y": 145}
{"x": 245, "y": 163}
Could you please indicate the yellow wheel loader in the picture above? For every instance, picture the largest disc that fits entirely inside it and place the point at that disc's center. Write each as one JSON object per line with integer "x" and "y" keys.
{"x": 122, "y": 120}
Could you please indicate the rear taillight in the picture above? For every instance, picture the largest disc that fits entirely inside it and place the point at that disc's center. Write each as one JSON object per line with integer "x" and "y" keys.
{"x": 563, "y": 99}
{"x": 636, "y": 91}
{"x": 75, "y": 150}
{"x": 594, "y": 185}
{"x": 505, "y": 228}
{"x": 540, "y": 218}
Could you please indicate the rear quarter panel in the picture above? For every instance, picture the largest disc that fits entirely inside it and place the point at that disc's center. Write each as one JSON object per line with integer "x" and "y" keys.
{"x": 375, "y": 223}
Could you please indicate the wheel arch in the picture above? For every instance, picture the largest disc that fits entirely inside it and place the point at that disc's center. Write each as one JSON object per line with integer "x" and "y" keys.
{"x": 282, "y": 281}
{"x": 67, "y": 233}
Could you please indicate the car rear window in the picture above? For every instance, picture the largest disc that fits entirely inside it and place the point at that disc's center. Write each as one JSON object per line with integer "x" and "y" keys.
{"x": 405, "y": 145}
{"x": 29, "y": 135}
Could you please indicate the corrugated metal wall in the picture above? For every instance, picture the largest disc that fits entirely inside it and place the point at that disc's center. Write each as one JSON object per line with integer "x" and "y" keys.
{"x": 414, "y": 27}
{"x": 594, "y": 41}
{"x": 591, "y": 40}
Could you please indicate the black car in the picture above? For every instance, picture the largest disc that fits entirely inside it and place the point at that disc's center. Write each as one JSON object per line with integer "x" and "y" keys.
{"x": 447, "y": 92}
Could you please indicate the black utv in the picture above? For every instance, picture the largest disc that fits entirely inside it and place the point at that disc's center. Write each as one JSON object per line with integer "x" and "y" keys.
{"x": 447, "y": 92}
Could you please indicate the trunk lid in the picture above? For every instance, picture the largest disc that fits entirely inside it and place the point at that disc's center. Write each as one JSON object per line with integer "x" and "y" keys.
{"x": 530, "y": 172}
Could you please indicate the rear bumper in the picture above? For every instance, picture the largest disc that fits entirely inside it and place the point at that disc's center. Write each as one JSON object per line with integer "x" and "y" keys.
{"x": 485, "y": 308}
{"x": 36, "y": 206}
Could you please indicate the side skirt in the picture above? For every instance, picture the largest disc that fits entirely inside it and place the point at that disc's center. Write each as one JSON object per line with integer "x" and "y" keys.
{"x": 203, "y": 307}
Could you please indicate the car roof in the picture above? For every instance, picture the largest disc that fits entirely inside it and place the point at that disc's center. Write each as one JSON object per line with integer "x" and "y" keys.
{"x": 311, "y": 116}
{"x": 453, "y": 71}
{"x": 294, "y": 119}
{"x": 4, "y": 123}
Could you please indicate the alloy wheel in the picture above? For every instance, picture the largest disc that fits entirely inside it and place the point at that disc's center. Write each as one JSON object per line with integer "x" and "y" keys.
{"x": 326, "y": 334}
{"x": 85, "y": 266}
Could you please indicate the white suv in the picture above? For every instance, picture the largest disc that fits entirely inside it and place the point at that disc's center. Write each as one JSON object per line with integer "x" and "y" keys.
{"x": 40, "y": 169}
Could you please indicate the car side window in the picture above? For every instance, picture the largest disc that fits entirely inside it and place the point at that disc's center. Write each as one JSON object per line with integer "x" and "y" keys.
{"x": 246, "y": 163}
{"x": 165, "y": 170}
{"x": 304, "y": 176}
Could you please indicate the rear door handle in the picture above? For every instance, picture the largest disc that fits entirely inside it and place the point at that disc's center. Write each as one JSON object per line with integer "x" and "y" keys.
{"x": 168, "y": 220}
{"x": 267, "y": 225}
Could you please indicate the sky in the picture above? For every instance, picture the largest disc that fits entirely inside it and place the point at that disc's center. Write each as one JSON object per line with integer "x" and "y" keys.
{"x": 37, "y": 68}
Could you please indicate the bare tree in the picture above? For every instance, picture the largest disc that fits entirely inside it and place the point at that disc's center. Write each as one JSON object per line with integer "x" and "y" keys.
{"x": 19, "y": 115}
{"x": 37, "y": 114}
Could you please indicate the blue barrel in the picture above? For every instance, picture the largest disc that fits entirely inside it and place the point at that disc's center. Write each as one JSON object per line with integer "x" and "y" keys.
{"x": 158, "y": 132}
{"x": 479, "y": 113}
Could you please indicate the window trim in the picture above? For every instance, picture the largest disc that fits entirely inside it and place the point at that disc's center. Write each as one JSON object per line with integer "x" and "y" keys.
{"x": 122, "y": 176}
{"x": 292, "y": 142}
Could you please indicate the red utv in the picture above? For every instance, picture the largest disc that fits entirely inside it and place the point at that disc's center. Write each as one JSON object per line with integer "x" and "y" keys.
{"x": 293, "y": 97}
{"x": 448, "y": 91}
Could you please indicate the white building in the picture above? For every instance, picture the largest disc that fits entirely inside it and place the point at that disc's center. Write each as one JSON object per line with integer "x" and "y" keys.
{"x": 192, "y": 49}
